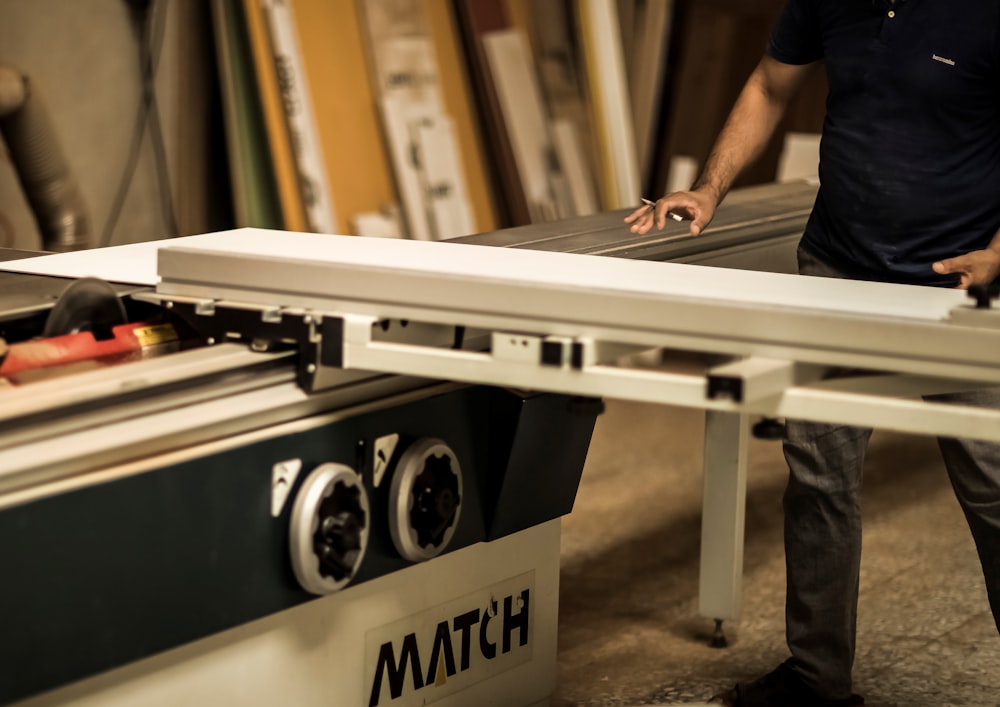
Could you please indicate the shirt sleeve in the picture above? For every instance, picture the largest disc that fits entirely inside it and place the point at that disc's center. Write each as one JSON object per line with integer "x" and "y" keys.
{"x": 797, "y": 38}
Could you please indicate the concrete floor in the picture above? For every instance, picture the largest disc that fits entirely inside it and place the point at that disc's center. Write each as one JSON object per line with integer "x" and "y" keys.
{"x": 630, "y": 633}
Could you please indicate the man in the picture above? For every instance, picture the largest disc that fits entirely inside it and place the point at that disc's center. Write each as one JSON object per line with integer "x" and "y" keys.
{"x": 910, "y": 193}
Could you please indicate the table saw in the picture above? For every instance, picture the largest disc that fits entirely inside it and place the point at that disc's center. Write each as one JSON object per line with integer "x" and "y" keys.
{"x": 266, "y": 467}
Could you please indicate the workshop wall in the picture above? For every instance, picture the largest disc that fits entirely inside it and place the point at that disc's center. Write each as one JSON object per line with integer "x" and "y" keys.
{"x": 83, "y": 57}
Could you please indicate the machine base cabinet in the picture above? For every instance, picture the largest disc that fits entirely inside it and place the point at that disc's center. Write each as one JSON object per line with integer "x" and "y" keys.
{"x": 474, "y": 627}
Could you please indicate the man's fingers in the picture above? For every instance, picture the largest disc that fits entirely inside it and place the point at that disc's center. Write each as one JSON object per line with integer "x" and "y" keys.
{"x": 675, "y": 207}
{"x": 962, "y": 266}
{"x": 643, "y": 221}
{"x": 953, "y": 265}
{"x": 635, "y": 215}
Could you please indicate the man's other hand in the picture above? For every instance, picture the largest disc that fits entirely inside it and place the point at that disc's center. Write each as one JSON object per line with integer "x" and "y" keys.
{"x": 980, "y": 267}
{"x": 696, "y": 206}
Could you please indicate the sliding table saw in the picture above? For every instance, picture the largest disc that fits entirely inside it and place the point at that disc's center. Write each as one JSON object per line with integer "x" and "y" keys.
{"x": 279, "y": 468}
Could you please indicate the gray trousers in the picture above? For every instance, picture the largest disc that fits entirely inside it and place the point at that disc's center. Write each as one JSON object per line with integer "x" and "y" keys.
{"x": 823, "y": 529}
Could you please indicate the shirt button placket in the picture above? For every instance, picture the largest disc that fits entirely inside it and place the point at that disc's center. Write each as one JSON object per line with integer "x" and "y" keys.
{"x": 888, "y": 31}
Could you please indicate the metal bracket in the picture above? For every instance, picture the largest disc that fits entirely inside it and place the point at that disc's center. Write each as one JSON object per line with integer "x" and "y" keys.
{"x": 755, "y": 378}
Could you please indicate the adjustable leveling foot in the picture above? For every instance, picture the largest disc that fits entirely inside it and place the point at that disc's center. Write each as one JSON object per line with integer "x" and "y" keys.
{"x": 718, "y": 638}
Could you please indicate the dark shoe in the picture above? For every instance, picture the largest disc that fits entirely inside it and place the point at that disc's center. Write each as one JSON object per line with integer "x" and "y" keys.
{"x": 779, "y": 688}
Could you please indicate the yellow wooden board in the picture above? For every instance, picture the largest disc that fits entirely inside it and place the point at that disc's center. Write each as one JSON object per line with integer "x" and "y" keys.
{"x": 344, "y": 110}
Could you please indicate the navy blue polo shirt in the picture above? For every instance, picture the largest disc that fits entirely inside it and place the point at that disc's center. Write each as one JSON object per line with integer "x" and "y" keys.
{"x": 910, "y": 153}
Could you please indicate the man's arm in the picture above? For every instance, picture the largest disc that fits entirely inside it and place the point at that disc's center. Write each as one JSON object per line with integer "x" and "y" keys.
{"x": 747, "y": 130}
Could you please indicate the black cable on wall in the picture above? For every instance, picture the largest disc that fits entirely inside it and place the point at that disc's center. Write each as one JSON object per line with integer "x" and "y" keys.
{"x": 148, "y": 17}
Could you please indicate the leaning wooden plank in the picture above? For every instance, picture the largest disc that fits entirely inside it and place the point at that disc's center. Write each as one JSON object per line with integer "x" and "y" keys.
{"x": 579, "y": 178}
{"x": 476, "y": 18}
{"x": 646, "y": 79}
{"x": 605, "y": 62}
{"x": 306, "y": 146}
{"x": 195, "y": 205}
{"x": 278, "y": 139}
{"x": 557, "y": 57}
{"x": 399, "y": 121}
{"x": 630, "y": 25}
{"x": 448, "y": 208}
{"x": 459, "y": 103}
{"x": 524, "y": 115}
{"x": 254, "y": 192}
{"x": 345, "y": 106}
{"x": 407, "y": 83}
{"x": 224, "y": 62}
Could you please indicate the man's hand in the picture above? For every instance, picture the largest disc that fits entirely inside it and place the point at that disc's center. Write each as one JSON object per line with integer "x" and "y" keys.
{"x": 749, "y": 127}
{"x": 980, "y": 267}
{"x": 698, "y": 206}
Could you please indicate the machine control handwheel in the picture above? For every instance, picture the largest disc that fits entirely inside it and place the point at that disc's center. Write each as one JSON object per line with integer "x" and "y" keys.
{"x": 425, "y": 499}
{"x": 329, "y": 530}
